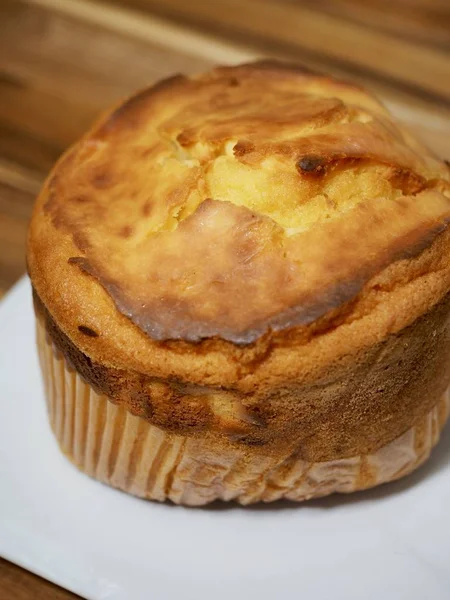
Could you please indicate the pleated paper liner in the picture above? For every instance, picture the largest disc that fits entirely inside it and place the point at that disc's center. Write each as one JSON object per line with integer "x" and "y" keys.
{"x": 109, "y": 443}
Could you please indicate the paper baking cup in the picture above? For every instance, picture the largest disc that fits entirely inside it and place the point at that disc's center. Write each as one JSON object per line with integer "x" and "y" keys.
{"x": 107, "y": 442}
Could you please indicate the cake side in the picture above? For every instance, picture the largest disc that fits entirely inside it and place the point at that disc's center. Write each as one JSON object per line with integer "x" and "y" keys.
{"x": 349, "y": 408}
{"x": 105, "y": 441}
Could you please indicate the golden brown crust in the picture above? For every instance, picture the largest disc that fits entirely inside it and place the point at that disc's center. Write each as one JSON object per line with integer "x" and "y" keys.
{"x": 248, "y": 200}
{"x": 321, "y": 302}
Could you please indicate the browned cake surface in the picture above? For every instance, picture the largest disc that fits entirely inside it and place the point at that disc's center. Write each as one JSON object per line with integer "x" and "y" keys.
{"x": 259, "y": 251}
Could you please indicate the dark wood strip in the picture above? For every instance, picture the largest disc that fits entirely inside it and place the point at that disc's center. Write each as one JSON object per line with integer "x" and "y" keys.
{"x": 20, "y": 147}
{"x": 17, "y": 584}
{"x": 13, "y": 230}
{"x": 19, "y": 104}
{"x": 18, "y": 191}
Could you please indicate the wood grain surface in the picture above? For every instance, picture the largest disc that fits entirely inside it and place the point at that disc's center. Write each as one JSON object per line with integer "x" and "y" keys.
{"x": 63, "y": 61}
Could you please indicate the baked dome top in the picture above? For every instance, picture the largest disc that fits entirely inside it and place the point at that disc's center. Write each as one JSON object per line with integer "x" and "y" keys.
{"x": 252, "y": 198}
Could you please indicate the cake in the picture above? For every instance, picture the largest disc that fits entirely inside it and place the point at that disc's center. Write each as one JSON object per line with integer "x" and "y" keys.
{"x": 241, "y": 283}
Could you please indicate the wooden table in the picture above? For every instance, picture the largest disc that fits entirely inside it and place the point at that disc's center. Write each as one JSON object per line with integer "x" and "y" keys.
{"x": 62, "y": 61}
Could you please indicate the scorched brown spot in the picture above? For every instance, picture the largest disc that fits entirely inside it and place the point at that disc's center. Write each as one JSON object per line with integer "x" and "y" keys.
{"x": 87, "y": 331}
{"x": 79, "y": 199}
{"x": 146, "y": 209}
{"x": 126, "y": 231}
{"x": 407, "y": 181}
{"x": 102, "y": 180}
{"x": 311, "y": 164}
{"x": 243, "y": 147}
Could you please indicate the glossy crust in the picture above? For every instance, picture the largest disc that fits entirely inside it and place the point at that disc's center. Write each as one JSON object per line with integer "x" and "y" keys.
{"x": 259, "y": 252}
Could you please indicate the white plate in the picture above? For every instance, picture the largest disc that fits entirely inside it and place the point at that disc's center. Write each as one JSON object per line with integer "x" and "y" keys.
{"x": 392, "y": 543}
